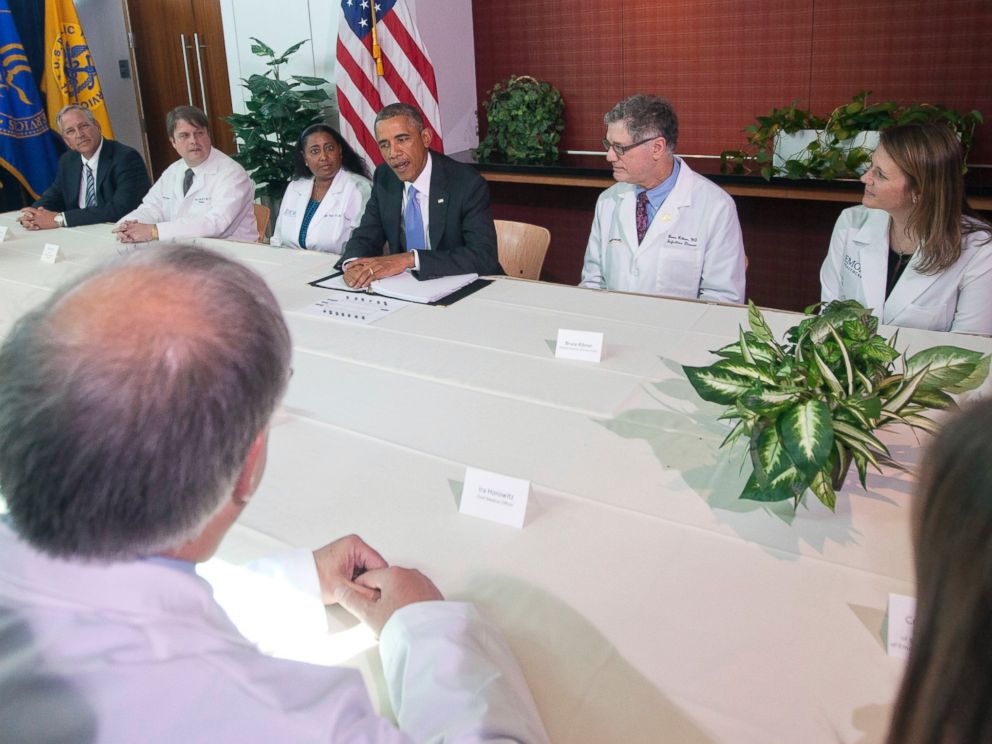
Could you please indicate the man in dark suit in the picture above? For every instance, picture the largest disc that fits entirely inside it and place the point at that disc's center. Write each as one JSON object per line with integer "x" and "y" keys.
{"x": 99, "y": 180}
{"x": 428, "y": 212}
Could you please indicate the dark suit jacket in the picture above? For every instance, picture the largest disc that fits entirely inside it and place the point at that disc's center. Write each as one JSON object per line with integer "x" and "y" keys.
{"x": 121, "y": 184}
{"x": 460, "y": 222}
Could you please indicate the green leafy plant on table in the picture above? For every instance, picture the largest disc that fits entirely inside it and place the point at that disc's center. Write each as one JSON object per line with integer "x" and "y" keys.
{"x": 278, "y": 112}
{"x": 836, "y": 152}
{"x": 810, "y": 405}
{"x": 525, "y": 120}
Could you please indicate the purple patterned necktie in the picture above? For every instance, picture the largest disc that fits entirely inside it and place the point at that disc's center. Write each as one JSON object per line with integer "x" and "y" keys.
{"x": 642, "y": 216}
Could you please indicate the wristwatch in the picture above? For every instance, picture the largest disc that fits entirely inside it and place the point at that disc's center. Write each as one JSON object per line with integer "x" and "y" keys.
{"x": 60, "y": 219}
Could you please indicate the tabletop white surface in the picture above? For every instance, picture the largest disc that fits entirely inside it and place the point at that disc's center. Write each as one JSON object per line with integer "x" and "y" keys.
{"x": 644, "y": 601}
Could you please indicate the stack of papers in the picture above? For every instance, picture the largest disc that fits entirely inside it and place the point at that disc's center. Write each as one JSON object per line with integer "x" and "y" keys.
{"x": 406, "y": 286}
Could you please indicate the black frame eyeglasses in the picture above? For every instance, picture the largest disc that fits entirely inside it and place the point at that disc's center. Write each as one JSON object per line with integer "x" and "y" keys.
{"x": 622, "y": 150}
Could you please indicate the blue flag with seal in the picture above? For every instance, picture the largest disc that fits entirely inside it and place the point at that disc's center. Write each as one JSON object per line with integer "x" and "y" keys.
{"x": 26, "y": 148}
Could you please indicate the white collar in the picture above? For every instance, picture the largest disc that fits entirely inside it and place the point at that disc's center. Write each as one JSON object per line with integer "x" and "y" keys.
{"x": 94, "y": 162}
{"x": 422, "y": 183}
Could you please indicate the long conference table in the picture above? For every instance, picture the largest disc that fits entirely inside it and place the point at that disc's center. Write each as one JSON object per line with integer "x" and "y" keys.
{"x": 645, "y": 602}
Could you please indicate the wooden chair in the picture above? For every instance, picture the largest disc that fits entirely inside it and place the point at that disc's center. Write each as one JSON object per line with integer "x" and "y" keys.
{"x": 262, "y": 221}
{"x": 522, "y": 248}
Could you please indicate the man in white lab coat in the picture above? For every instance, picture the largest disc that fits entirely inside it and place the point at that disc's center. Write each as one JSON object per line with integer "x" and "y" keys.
{"x": 134, "y": 415}
{"x": 204, "y": 194}
{"x": 662, "y": 229}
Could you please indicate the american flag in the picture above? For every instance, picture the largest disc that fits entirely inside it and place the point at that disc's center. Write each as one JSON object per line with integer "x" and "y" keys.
{"x": 405, "y": 73}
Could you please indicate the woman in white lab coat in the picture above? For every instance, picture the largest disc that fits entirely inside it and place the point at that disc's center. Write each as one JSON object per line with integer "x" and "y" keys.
{"x": 325, "y": 201}
{"x": 914, "y": 251}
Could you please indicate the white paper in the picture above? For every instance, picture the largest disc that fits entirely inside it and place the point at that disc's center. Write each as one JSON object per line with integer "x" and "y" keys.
{"x": 355, "y": 308}
{"x": 3, "y": 233}
{"x": 902, "y": 610}
{"x": 407, "y": 287}
{"x": 498, "y": 498}
{"x": 52, "y": 253}
{"x": 583, "y": 346}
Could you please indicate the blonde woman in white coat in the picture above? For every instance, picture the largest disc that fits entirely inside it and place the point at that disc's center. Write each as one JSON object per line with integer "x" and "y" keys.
{"x": 325, "y": 201}
{"x": 914, "y": 251}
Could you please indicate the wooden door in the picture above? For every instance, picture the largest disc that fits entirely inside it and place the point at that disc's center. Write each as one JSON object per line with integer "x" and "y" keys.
{"x": 179, "y": 58}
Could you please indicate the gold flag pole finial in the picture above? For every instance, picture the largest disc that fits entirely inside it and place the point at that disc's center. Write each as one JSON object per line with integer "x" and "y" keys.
{"x": 376, "y": 50}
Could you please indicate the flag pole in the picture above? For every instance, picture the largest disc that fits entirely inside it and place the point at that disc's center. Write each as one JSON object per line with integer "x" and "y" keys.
{"x": 376, "y": 50}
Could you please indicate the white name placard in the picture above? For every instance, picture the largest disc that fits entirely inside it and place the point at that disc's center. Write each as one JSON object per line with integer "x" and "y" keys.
{"x": 498, "y": 498}
{"x": 583, "y": 346}
{"x": 52, "y": 253}
{"x": 902, "y": 610}
{"x": 3, "y": 233}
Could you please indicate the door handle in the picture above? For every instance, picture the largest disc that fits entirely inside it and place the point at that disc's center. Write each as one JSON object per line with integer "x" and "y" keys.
{"x": 199, "y": 69}
{"x": 189, "y": 86}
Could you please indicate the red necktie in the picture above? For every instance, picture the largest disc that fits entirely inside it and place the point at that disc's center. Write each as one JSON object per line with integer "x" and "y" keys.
{"x": 641, "y": 214}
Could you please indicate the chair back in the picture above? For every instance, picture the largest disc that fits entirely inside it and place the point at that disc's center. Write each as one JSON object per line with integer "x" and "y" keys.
{"x": 522, "y": 248}
{"x": 262, "y": 213}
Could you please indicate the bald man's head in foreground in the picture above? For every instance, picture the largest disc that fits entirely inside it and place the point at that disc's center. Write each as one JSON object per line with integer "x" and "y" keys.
{"x": 135, "y": 402}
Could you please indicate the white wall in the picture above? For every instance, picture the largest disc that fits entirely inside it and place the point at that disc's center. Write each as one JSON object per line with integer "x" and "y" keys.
{"x": 279, "y": 25}
{"x": 445, "y": 28}
{"x": 103, "y": 24}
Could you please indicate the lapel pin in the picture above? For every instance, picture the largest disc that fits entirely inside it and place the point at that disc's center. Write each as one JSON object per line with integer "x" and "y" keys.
{"x": 440, "y": 201}
{"x": 666, "y": 217}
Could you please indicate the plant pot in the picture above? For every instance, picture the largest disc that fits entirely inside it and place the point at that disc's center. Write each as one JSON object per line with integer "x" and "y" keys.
{"x": 794, "y": 146}
{"x": 790, "y": 146}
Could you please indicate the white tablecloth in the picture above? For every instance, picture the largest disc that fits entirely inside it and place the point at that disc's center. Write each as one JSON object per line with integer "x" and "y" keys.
{"x": 645, "y": 602}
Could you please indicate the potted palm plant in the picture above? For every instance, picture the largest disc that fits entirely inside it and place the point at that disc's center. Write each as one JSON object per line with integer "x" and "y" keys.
{"x": 278, "y": 110}
{"x": 810, "y": 406}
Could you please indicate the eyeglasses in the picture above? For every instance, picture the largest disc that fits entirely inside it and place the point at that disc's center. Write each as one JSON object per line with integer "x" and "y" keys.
{"x": 622, "y": 150}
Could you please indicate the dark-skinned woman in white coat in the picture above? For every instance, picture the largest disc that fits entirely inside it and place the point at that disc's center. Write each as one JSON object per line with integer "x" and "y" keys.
{"x": 914, "y": 251}
{"x": 325, "y": 200}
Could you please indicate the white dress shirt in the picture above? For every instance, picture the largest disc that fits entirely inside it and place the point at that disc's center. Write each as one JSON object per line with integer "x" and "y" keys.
{"x": 423, "y": 186}
{"x": 93, "y": 163}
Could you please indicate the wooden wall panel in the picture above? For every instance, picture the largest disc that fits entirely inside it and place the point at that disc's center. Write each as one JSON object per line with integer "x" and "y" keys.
{"x": 908, "y": 51}
{"x": 722, "y": 62}
{"x": 572, "y": 44}
{"x": 718, "y": 61}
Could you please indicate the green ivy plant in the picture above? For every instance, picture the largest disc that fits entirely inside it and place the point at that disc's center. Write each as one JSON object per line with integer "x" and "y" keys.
{"x": 831, "y": 155}
{"x": 761, "y": 138}
{"x": 525, "y": 120}
{"x": 810, "y": 405}
{"x": 278, "y": 112}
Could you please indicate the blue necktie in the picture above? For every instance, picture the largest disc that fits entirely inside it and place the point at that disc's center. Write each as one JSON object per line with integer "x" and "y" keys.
{"x": 413, "y": 222}
{"x": 90, "y": 186}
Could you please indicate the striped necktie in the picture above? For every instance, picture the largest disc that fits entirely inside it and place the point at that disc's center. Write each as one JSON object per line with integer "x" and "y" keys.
{"x": 187, "y": 181}
{"x": 90, "y": 186}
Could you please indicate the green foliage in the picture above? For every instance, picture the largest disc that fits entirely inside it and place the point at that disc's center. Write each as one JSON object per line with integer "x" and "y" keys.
{"x": 525, "y": 120}
{"x": 833, "y": 154}
{"x": 278, "y": 112}
{"x": 810, "y": 405}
